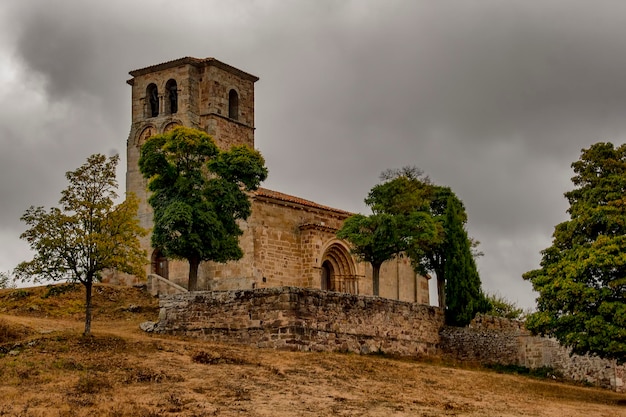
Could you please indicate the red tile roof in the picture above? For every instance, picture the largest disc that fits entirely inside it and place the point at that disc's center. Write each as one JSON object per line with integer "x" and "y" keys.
{"x": 275, "y": 195}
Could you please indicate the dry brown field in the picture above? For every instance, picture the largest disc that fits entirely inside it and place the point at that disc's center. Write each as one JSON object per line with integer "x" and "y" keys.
{"x": 47, "y": 368}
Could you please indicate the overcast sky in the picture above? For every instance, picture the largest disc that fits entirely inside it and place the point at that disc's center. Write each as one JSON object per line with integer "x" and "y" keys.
{"x": 492, "y": 98}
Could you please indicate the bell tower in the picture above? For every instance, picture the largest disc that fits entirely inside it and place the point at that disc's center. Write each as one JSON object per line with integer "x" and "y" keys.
{"x": 204, "y": 94}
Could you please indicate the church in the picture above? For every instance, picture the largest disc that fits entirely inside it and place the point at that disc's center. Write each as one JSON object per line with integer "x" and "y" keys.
{"x": 287, "y": 240}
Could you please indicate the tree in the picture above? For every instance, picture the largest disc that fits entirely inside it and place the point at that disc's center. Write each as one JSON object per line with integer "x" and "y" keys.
{"x": 502, "y": 307}
{"x": 582, "y": 277}
{"x": 199, "y": 194}
{"x": 87, "y": 235}
{"x": 390, "y": 230}
{"x": 463, "y": 288}
{"x": 374, "y": 239}
{"x": 407, "y": 190}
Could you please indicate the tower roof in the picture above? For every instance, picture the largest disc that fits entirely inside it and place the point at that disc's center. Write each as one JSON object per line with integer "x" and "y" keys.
{"x": 196, "y": 62}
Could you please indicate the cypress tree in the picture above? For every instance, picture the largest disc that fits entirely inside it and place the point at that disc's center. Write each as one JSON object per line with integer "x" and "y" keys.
{"x": 464, "y": 296}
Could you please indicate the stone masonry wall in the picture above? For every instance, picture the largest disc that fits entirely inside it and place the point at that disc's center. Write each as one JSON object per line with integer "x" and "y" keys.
{"x": 304, "y": 319}
{"x": 313, "y": 320}
{"x": 493, "y": 340}
{"x": 487, "y": 340}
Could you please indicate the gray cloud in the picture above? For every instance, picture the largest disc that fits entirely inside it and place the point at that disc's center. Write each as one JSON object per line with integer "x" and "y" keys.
{"x": 493, "y": 99}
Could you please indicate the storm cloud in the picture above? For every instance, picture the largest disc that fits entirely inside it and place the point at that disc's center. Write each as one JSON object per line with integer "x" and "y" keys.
{"x": 494, "y": 99}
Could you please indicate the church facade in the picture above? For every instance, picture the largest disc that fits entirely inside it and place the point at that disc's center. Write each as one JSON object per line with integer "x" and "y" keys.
{"x": 287, "y": 240}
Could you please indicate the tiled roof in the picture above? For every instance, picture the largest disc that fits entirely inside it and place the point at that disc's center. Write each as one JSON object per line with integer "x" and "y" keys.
{"x": 264, "y": 192}
{"x": 198, "y": 62}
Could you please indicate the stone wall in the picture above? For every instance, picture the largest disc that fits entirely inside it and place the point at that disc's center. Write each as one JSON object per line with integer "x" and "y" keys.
{"x": 487, "y": 340}
{"x": 313, "y": 320}
{"x": 304, "y": 319}
{"x": 493, "y": 340}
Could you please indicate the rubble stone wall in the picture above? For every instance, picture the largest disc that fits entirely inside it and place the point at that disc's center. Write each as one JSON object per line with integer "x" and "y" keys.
{"x": 304, "y": 319}
{"x": 494, "y": 340}
{"x": 307, "y": 319}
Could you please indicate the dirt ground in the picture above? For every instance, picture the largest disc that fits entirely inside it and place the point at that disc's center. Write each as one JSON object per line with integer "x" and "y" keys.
{"x": 48, "y": 369}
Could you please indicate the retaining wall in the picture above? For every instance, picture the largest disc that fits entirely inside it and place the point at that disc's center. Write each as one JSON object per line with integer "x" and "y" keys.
{"x": 494, "y": 340}
{"x": 304, "y": 319}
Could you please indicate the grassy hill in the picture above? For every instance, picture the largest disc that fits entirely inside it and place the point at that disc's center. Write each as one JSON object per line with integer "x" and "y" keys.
{"x": 48, "y": 369}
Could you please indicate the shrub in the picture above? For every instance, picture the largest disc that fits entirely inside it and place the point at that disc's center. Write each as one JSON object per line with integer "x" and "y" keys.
{"x": 502, "y": 307}
{"x": 11, "y": 333}
{"x": 19, "y": 294}
{"x": 56, "y": 290}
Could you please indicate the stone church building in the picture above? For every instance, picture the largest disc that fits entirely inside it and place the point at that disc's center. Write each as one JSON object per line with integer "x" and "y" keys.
{"x": 287, "y": 240}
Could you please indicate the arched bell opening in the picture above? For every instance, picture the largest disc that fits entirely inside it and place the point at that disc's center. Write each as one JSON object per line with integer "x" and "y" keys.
{"x": 152, "y": 98}
{"x": 233, "y": 105}
{"x": 171, "y": 104}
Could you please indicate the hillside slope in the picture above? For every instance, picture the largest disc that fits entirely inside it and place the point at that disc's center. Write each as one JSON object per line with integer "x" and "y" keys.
{"x": 48, "y": 369}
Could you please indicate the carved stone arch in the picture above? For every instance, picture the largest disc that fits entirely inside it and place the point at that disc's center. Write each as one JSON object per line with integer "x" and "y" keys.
{"x": 143, "y": 136}
{"x": 337, "y": 268}
{"x": 171, "y": 126}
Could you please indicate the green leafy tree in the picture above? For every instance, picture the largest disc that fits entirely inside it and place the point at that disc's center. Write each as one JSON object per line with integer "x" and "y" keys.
{"x": 582, "y": 277}
{"x": 374, "y": 239}
{"x": 463, "y": 287}
{"x": 408, "y": 190}
{"x": 199, "y": 193}
{"x": 433, "y": 256}
{"x": 502, "y": 307}
{"x": 87, "y": 235}
{"x": 393, "y": 227}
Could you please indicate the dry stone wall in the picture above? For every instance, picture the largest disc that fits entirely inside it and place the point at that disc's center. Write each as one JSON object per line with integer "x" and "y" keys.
{"x": 304, "y": 319}
{"x": 493, "y": 340}
{"x": 487, "y": 340}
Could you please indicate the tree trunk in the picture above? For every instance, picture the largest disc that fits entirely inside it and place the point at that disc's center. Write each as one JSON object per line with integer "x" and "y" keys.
{"x": 376, "y": 279}
{"x": 88, "y": 285}
{"x": 193, "y": 274}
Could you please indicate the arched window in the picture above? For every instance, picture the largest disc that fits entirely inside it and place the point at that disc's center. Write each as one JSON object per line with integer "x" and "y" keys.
{"x": 233, "y": 105}
{"x": 152, "y": 95}
{"x": 172, "y": 96}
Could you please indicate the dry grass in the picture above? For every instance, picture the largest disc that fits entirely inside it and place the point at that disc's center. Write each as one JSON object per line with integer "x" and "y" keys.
{"x": 49, "y": 369}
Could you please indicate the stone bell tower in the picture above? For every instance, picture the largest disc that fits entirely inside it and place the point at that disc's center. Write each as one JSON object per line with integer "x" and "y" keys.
{"x": 204, "y": 94}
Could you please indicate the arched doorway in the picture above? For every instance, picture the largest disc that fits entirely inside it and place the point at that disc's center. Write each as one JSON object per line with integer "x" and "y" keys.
{"x": 159, "y": 264}
{"x": 338, "y": 270}
{"x": 327, "y": 276}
